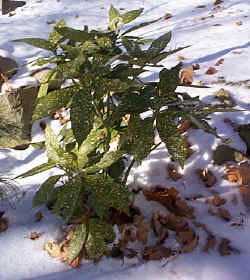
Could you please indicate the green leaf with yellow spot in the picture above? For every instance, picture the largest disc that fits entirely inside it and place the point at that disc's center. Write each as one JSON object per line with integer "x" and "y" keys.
{"x": 56, "y": 153}
{"x": 76, "y": 243}
{"x": 45, "y": 192}
{"x": 69, "y": 198}
{"x": 140, "y": 135}
{"x": 89, "y": 145}
{"x": 107, "y": 159}
{"x": 106, "y": 193}
{"x": 55, "y": 37}
{"x": 99, "y": 234}
{"x": 81, "y": 115}
{"x": 171, "y": 136}
{"x": 46, "y": 105}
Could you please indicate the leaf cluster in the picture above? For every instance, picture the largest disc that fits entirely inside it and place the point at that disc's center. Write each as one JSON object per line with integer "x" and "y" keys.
{"x": 105, "y": 96}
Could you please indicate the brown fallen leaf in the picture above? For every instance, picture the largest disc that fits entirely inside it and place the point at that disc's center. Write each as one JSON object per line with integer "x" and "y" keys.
{"x": 210, "y": 240}
{"x": 173, "y": 172}
{"x": 181, "y": 58}
{"x": 194, "y": 197}
{"x": 196, "y": 66}
{"x": 155, "y": 253}
{"x": 129, "y": 235}
{"x": 170, "y": 199}
{"x": 200, "y": 84}
{"x": 56, "y": 250}
{"x": 206, "y": 176}
{"x": 188, "y": 240}
{"x": 224, "y": 214}
{"x": 240, "y": 174}
{"x": 38, "y": 216}
{"x": 173, "y": 222}
{"x": 200, "y": 6}
{"x": 159, "y": 229}
{"x": 218, "y": 2}
{"x": 216, "y": 9}
{"x": 211, "y": 71}
{"x": 167, "y": 16}
{"x": 186, "y": 75}
{"x": 42, "y": 125}
{"x": 216, "y": 200}
{"x": 34, "y": 235}
{"x": 239, "y": 23}
{"x": 51, "y": 21}
{"x": 142, "y": 232}
{"x": 245, "y": 195}
{"x": 219, "y": 62}
{"x": 210, "y": 243}
{"x": 187, "y": 146}
{"x": 3, "y": 224}
{"x": 226, "y": 249}
{"x": 184, "y": 126}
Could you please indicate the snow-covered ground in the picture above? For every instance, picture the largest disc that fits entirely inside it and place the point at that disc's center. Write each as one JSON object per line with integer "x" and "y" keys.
{"x": 213, "y": 34}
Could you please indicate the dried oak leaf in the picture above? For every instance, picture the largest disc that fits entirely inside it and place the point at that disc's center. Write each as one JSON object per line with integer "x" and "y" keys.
{"x": 187, "y": 145}
{"x": 159, "y": 228}
{"x": 51, "y": 21}
{"x": 196, "y": 66}
{"x": 173, "y": 172}
{"x": 240, "y": 174}
{"x": 129, "y": 235}
{"x": 174, "y": 222}
{"x": 181, "y": 58}
{"x": 142, "y": 229}
{"x": 171, "y": 200}
{"x": 200, "y": 6}
{"x": 155, "y": 253}
{"x": 206, "y": 176}
{"x": 188, "y": 240}
{"x": 216, "y": 200}
{"x": 34, "y": 235}
{"x": 167, "y": 16}
{"x": 186, "y": 75}
{"x": 3, "y": 224}
{"x": 219, "y": 62}
{"x": 224, "y": 214}
{"x": 245, "y": 195}
{"x": 226, "y": 249}
{"x": 218, "y": 2}
{"x": 211, "y": 71}
{"x": 210, "y": 243}
{"x": 38, "y": 216}
{"x": 56, "y": 250}
{"x": 184, "y": 126}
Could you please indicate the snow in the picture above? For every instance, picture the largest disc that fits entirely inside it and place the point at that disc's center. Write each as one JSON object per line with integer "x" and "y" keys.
{"x": 22, "y": 258}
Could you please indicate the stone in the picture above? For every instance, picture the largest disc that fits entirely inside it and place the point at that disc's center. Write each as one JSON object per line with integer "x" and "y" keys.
{"x": 16, "y": 109}
{"x": 8, "y": 67}
{"x": 41, "y": 74}
{"x": 244, "y": 132}
{"x": 224, "y": 153}
{"x": 10, "y": 6}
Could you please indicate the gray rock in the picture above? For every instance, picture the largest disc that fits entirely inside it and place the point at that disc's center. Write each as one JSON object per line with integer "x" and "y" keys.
{"x": 244, "y": 132}
{"x": 8, "y": 66}
{"x": 224, "y": 153}
{"x": 16, "y": 109}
